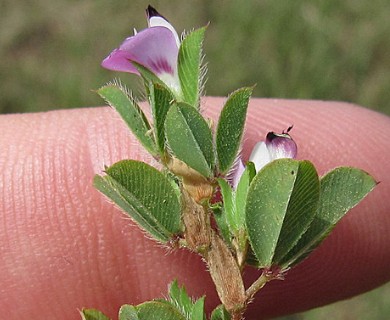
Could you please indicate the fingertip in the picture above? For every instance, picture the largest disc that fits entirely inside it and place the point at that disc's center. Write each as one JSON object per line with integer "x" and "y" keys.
{"x": 110, "y": 261}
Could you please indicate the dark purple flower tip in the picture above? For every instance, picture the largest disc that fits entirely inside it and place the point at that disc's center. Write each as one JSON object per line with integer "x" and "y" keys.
{"x": 152, "y": 12}
{"x": 281, "y": 145}
{"x": 276, "y": 146}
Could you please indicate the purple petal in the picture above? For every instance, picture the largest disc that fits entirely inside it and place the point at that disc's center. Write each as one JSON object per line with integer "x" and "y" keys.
{"x": 260, "y": 155}
{"x": 281, "y": 146}
{"x": 154, "y": 48}
{"x": 118, "y": 60}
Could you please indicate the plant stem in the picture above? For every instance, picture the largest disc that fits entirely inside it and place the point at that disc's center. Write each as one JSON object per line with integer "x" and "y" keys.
{"x": 223, "y": 267}
{"x": 258, "y": 284}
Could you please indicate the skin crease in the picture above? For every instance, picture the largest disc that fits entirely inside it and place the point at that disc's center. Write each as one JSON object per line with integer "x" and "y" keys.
{"x": 63, "y": 246}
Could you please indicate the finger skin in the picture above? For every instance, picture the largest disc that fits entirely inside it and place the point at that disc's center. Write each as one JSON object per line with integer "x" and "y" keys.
{"x": 63, "y": 246}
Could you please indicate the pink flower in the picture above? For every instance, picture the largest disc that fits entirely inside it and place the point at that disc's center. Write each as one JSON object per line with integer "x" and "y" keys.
{"x": 275, "y": 146}
{"x": 155, "y": 48}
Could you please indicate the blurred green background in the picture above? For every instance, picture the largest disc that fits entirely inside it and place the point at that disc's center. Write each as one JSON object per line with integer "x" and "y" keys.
{"x": 339, "y": 50}
{"x": 332, "y": 50}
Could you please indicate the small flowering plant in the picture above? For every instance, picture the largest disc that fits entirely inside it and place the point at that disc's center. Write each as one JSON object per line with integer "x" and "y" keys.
{"x": 270, "y": 212}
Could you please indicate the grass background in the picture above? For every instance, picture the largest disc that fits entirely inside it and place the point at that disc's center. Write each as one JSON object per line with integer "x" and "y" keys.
{"x": 332, "y": 50}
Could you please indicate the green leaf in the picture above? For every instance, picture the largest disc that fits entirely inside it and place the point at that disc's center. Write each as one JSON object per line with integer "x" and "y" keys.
{"x": 93, "y": 314}
{"x": 128, "y": 312}
{"x": 189, "y": 138}
{"x": 160, "y": 100}
{"x": 281, "y": 203}
{"x": 146, "y": 195}
{"x": 341, "y": 190}
{"x": 220, "y": 313}
{"x": 180, "y": 299}
{"x": 131, "y": 113}
{"x": 220, "y": 219}
{"x": 158, "y": 310}
{"x": 197, "y": 312}
{"x": 189, "y": 66}
{"x": 231, "y": 217}
{"x": 229, "y": 208}
{"x": 242, "y": 193}
{"x": 230, "y": 128}
{"x": 179, "y": 307}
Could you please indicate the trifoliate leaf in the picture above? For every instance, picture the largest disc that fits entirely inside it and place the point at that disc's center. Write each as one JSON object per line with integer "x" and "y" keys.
{"x": 131, "y": 113}
{"x": 230, "y": 128}
{"x": 281, "y": 203}
{"x": 189, "y": 138}
{"x": 146, "y": 195}
{"x": 341, "y": 190}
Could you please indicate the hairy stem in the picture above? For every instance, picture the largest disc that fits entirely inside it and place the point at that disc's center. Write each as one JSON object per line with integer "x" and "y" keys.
{"x": 226, "y": 275}
{"x": 224, "y": 269}
{"x": 265, "y": 277}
